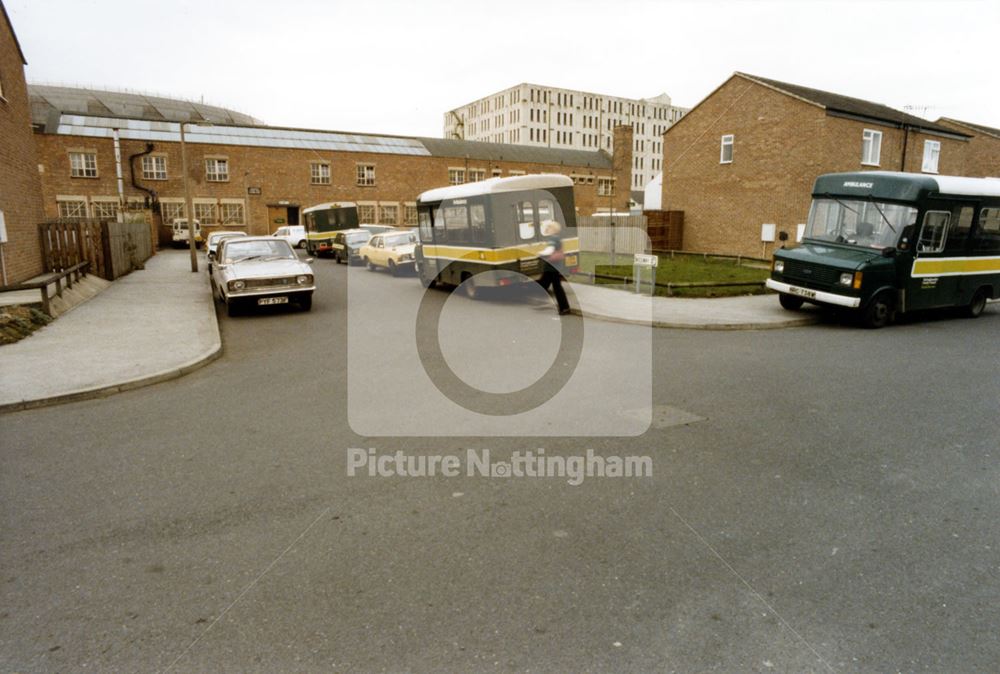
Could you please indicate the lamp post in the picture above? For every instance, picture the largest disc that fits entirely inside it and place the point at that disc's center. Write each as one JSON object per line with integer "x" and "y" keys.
{"x": 188, "y": 207}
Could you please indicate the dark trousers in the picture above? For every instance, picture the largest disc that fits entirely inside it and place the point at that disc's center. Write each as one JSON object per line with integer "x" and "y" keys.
{"x": 552, "y": 278}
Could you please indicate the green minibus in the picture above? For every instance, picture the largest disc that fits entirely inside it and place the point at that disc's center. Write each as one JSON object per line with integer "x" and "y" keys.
{"x": 323, "y": 221}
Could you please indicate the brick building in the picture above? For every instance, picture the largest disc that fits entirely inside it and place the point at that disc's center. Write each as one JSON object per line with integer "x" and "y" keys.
{"x": 246, "y": 175}
{"x": 748, "y": 154}
{"x": 20, "y": 189}
{"x": 983, "y": 156}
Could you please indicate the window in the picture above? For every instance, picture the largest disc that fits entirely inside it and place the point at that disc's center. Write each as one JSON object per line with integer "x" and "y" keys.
{"x": 524, "y": 216}
{"x": 366, "y": 176}
{"x": 932, "y": 235}
{"x": 83, "y": 164}
{"x": 319, "y": 173}
{"x": 172, "y": 210}
{"x": 475, "y": 175}
{"x": 154, "y": 167}
{"x": 455, "y": 218}
{"x": 605, "y": 187}
{"x": 72, "y": 208}
{"x": 989, "y": 220}
{"x": 871, "y": 147}
{"x": 388, "y": 214}
{"x": 232, "y": 213}
{"x": 932, "y": 152}
{"x": 410, "y": 214}
{"x": 104, "y": 209}
{"x": 216, "y": 171}
{"x": 456, "y": 176}
{"x": 206, "y": 213}
{"x": 987, "y": 239}
{"x": 726, "y": 150}
{"x": 366, "y": 214}
{"x": 497, "y": 173}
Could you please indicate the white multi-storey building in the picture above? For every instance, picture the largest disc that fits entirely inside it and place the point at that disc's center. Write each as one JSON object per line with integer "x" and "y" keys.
{"x": 530, "y": 114}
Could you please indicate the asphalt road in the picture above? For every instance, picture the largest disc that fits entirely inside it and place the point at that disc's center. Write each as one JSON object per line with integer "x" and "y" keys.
{"x": 832, "y": 505}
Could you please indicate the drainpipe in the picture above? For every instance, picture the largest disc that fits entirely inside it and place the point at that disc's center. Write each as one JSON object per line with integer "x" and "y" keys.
{"x": 906, "y": 141}
{"x": 131, "y": 172}
{"x": 118, "y": 173}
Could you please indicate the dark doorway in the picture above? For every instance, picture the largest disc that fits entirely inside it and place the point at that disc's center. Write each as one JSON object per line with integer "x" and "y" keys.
{"x": 293, "y": 215}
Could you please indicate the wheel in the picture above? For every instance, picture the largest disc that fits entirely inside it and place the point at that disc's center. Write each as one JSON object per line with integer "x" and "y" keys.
{"x": 231, "y": 308}
{"x": 306, "y": 302}
{"x": 790, "y": 302}
{"x": 393, "y": 269}
{"x": 301, "y": 244}
{"x": 424, "y": 280}
{"x": 472, "y": 291}
{"x": 880, "y": 311}
{"x": 978, "y": 304}
{"x": 336, "y": 256}
{"x": 369, "y": 264}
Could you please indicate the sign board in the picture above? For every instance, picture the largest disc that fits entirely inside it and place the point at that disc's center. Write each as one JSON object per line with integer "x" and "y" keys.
{"x": 254, "y": 191}
{"x": 3, "y": 228}
{"x": 767, "y": 232}
{"x": 642, "y": 260}
{"x": 279, "y": 221}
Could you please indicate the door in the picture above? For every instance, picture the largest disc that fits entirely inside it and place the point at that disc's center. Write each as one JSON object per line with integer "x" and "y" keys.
{"x": 277, "y": 216}
{"x": 936, "y": 280}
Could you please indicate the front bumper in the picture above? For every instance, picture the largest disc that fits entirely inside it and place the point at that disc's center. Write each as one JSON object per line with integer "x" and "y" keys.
{"x": 267, "y": 292}
{"x": 814, "y": 295}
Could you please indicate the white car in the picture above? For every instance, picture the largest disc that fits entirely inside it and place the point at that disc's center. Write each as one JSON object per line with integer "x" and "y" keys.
{"x": 393, "y": 250}
{"x": 180, "y": 233}
{"x": 295, "y": 235}
{"x": 260, "y": 270}
{"x": 212, "y": 244}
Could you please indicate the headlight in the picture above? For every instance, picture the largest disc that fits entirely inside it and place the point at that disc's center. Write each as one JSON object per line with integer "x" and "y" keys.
{"x": 846, "y": 279}
{"x": 237, "y": 285}
{"x": 303, "y": 280}
{"x": 405, "y": 256}
{"x": 779, "y": 266}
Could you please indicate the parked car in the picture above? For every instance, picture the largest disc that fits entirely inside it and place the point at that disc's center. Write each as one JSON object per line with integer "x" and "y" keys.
{"x": 260, "y": 270}
{"x": 295, "y": 235}
{"x": 347, "y": 245}
{"x": 180, "y": 233}
{"x": 393, "y": 250}
{"x": 212, "y": 244}
{"x": 378, "y": 229}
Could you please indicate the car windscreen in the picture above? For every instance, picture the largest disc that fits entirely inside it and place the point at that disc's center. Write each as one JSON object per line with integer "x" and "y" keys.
{"x": 859, "y": 222}
{"x": 400, "y": 239}
{"x": 360, "y": 237}
{"x": 237, "y": 251}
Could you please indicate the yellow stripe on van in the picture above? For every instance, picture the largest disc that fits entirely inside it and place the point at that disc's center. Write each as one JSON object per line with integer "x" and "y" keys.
{"x": 496, "y": 255}
{"x": 951, "y": 266}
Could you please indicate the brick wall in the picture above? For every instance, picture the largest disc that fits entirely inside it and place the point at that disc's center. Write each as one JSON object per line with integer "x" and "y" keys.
{"x": 283, "y": 175}
{"x": 983, "y": 154}
{"x": 20, "y": 191}
{"x": 781, "y": 144}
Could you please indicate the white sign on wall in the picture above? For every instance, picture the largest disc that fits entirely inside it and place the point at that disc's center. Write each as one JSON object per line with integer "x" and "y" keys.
{"x": 3, "y": 229}
{"x": 767, "y": 232}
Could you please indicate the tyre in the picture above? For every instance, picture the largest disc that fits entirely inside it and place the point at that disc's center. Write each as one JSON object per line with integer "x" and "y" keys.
{"x": 305, "y": 302}
{"x": 425, "y": 281}
{"x": 369, "y": 264}
{"x": 975, "y": 308}
{"x": 393, "y": 269}
{"x": 301, "y": 244}
{"x": 472, "y": 291}
{"x": 790, "y": 302}
{"x": 880, "y": 311}
{"x": 232, "y": 309}
{"x": 336, "y": 256}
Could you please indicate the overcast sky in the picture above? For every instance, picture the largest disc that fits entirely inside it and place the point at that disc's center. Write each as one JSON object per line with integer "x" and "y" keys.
{"x": 396, "y": 67}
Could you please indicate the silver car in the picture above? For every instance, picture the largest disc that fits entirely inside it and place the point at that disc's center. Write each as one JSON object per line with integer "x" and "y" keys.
{"x": 258, "y": 271}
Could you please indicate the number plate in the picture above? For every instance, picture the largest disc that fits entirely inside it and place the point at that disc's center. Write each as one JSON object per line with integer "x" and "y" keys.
{"x": 802, "y": 292}
{"x": 272, "y": 300}
{"x": 571, "y": 260}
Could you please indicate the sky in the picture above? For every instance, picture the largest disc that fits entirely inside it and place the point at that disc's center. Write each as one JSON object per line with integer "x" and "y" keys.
{"x": 387, "y": 66}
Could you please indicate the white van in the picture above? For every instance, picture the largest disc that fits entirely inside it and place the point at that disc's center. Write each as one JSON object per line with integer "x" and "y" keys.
{"x": 295, "y": 235}
{"x": 180, "y": 233}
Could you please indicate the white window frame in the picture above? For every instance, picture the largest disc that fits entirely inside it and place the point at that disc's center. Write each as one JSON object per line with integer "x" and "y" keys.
{"x": 80, "y": 201}
{"x": 726, "y": 142}
{"x": 85, "y": 167}
{"x": 605, "y": 187}
{"x": 201, "y": 204}
{"x": 871, "y": 147}
{"x": 456, "y": 175}
{"x": 932, "y": 156}
{"x": 383, "y": 207}
{"x": 410, "y": 207}
{"x": 172, "y": 204}
{"x": 99, "y": 208}
{"x": 365, "y": 175}
{"x": 317, "y": 176}
{"x": 152, "y": 169}
{"x": 216, "y": 170}
{"x": 225, "y": 212}
{"x": 363, "y": 206}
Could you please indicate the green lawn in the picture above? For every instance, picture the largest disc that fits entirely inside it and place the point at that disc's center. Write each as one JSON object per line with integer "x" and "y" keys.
{"x": 682, "y": 269}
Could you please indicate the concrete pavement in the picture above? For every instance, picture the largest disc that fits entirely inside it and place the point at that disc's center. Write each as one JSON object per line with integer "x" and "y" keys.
{"x": 152, "y": 325}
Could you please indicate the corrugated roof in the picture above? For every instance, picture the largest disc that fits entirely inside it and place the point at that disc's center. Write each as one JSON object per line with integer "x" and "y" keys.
{"x": 46, "y": 99}
{"x": 448, "y": 147}
{"x": 852, "y": 106}
{"x": 988, "y": 130}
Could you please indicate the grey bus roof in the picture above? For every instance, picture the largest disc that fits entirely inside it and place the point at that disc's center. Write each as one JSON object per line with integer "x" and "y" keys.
{"x": 903, "y": 186}
{"x": 538, "y": 181}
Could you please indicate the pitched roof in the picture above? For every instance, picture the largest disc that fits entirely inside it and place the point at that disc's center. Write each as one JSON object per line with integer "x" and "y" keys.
{"x": 855, "y": 107}
{"x": 3, "y": 10}
{"x": 450, "y": 147}
{"x": 978, "y": 128}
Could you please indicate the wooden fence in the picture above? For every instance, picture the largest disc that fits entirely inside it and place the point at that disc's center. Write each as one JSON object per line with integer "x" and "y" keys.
{"x": 625, "y": 234}
{"x": 113, "y": 249}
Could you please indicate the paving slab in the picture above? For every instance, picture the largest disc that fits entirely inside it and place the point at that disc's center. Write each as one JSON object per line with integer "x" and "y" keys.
{"x": 152, "y": 325}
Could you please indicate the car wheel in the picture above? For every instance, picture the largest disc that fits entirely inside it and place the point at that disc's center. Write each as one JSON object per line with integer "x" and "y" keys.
{"x": 306, "y": 302}
{"x": 472, "y": 291}
{"x": 978, "y": 304}
{"x": 232, "y": 309}
{"x": 393, "y": 269}
{"x": 424, "y": 280}
{"x": 790, "y": 302}
{"x": 880, "y": 311}
{"x": 369, "y": 264}
{"x": 301, "y": 244}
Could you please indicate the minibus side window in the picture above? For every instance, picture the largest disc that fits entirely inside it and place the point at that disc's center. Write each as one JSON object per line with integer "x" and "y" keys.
{"x": 932, "y": 234}
{"x": 456, "y": 221}
{"x": 524, "y": 216}
{"x": 958, "y": 233}
{"x": 987, "y": 238}
{"x": 426, "y": 233}
{"x": 477, "y": 221}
